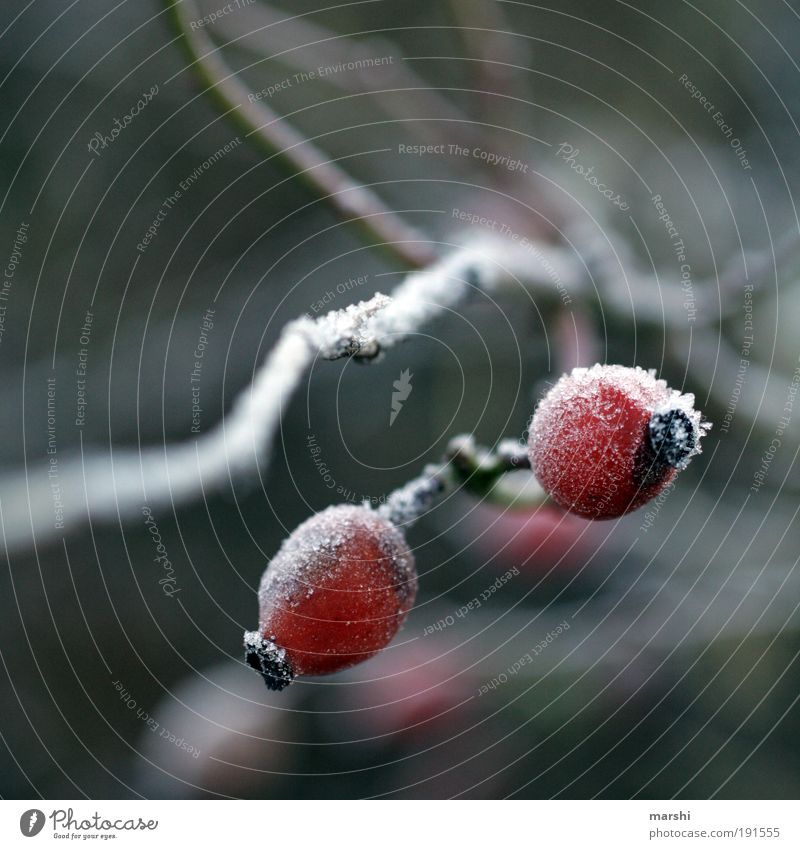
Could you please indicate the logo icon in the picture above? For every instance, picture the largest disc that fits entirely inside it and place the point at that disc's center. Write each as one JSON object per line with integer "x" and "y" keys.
{"x": 31, "y": 822}
{"x": 403, "y": 389}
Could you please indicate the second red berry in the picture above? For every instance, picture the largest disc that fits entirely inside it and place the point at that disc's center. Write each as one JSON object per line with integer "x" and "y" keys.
{"x": 335, "y": 594}
{"x": 607, "y": 439}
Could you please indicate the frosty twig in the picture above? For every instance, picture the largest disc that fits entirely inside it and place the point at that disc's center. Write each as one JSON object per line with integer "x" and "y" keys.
{"x": 101, "y": 487}
{"x": 473, "y": 468}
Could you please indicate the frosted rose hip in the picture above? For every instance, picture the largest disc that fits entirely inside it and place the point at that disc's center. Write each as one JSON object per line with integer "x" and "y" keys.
{"x": 607, "y": 439}
{"x": 335, "y": 594}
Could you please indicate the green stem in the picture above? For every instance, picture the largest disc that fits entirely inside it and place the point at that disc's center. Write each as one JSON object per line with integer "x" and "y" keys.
{"x": 479, "y": 471}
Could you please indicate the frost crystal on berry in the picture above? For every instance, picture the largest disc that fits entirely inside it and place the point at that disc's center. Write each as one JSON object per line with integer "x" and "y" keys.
{"x": 607, "y": 439}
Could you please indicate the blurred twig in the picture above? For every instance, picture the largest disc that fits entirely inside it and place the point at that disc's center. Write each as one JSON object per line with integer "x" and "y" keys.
{"x": 266, "y": 32}
{"x": 760, "y": 390}
{"x": 656, "y": 297}
{"x": 487, "y": 36}
{"x": 350, "y": 198}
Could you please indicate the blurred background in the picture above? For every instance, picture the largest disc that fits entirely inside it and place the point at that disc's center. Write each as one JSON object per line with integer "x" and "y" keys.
{"x": 651, "y": 147}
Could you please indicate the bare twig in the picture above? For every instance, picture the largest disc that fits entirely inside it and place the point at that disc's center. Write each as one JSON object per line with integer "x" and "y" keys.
{"x": 275, "y": 37}
{"x": 488, "y": 37}
{"x": 747, "y": 389}
{"x": 757, "y": 268}
{"x": 736, "y": 381}
{"x": 350, "y": 198}
{"x": 476, "y": 469}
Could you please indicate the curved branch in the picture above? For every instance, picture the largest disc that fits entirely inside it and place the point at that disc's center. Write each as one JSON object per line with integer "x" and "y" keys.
{"x": 47, "y": 500}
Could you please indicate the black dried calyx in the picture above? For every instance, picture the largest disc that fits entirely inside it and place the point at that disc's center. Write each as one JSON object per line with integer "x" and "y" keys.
{"x": 268, "y": 659}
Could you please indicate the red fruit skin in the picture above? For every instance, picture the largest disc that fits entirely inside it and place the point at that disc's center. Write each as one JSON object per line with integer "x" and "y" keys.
{"x": 338, "y": 590}
{"x": 589, "y": 444}
{"x": 536, "y": 541}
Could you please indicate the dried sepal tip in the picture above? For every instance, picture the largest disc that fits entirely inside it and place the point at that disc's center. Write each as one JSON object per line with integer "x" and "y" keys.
{"x": 268, "y": 659}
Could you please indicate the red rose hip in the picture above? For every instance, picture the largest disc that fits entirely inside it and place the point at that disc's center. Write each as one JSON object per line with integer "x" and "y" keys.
{"x": 335, "y": 594}
{"x": 607, "y": 439}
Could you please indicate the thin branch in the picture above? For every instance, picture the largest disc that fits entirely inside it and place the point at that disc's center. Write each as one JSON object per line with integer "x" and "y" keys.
{"x": 488, "y": 37}
{"x": 657, "y": 298}
{"x": 748, "y": 390}
{"x": 350, "y": 198}
{"x": 757, "y": 267}
{"x": 269, "y": 33}
{"x": 469, "y": 466}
